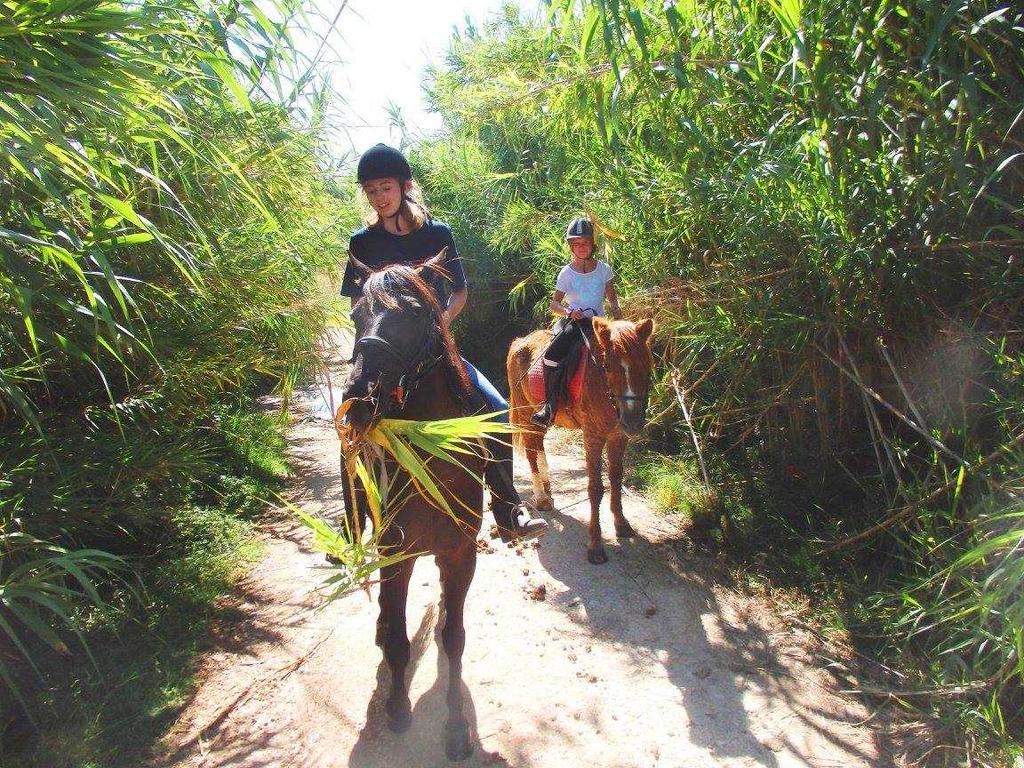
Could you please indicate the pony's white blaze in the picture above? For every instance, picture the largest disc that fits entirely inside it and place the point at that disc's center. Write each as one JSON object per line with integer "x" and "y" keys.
{"x": 629, "y": 389}
{"x": 629, "y": 396}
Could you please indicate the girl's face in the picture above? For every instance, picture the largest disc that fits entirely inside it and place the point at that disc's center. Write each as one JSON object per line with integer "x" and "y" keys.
{"x": 385, "y": 195}
{"x": 581, "y": 248}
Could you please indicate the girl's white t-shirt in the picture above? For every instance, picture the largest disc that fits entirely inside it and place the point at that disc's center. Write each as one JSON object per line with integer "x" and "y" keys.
{"x": 585, "y": 291}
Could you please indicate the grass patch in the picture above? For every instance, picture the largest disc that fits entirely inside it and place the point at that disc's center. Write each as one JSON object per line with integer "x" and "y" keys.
{"x": 112, "y": 714}
{"x": 673, "y": 486}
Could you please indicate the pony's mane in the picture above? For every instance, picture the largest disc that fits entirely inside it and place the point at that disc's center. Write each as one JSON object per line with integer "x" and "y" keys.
{"x": 400, "y": 287}
{"x": 625, "y": 338}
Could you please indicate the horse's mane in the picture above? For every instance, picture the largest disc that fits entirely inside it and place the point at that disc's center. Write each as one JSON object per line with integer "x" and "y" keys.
{"x": 400, "y": 287}
{"x": 626, "y": 339}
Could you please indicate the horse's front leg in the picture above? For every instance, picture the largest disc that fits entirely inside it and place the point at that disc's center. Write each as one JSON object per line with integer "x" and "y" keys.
{"x": 593, "y": 446}
{"x": 456, "y": 575}
{"x": 394, "y": 640}
{"x": 616, "y": 450}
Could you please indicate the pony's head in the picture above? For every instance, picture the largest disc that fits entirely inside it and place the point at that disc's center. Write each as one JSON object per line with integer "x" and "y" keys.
{"x": 628, "y": 363}
{"x": 400, "y": 334}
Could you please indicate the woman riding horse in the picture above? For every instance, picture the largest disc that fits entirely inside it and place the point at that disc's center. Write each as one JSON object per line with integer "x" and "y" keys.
{"x": 402, "y": 232}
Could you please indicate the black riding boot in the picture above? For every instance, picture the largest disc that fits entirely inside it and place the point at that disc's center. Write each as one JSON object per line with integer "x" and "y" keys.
{"x": 512, "y": 516}
{"x": 552, "y": 383}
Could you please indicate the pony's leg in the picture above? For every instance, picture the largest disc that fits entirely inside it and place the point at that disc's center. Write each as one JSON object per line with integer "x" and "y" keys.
{"x": 394, "y": 641}
{"x": 545, "y": 475}
{"x": 456, "y": 575}
{"x": 593, "y": 446}
{"x": 616, "y": 450}
{"x": 533, "y": 444}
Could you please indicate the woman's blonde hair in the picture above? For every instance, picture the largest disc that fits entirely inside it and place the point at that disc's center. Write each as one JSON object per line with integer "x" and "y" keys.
{"x": 413, "y": 210}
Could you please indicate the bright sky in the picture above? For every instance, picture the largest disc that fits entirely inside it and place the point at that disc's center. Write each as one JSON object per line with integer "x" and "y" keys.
{"x": 385, "y": 47}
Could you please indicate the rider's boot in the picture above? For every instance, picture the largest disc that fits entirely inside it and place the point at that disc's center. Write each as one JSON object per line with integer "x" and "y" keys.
{"x": 510, "y": 513}
{"x": 552, "y": 380}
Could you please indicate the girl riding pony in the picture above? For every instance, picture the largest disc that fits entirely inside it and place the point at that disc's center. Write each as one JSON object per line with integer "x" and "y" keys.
{"x": 580, "y": 292}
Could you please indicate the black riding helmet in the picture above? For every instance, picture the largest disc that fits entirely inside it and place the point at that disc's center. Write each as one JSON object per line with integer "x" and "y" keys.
{"x": 381, "y": 162}
{"x": 579, "y": 227}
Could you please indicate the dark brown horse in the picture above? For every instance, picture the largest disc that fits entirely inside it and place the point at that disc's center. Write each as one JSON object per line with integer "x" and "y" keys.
{"x": 611, "y": 407}
{"x": 405, "y": 364}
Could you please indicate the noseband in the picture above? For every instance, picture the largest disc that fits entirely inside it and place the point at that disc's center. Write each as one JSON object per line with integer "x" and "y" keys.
{"x": 412, "y": 371}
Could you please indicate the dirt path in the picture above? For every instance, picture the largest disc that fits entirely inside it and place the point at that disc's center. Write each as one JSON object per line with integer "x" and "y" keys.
{"x": 647, "y": 661}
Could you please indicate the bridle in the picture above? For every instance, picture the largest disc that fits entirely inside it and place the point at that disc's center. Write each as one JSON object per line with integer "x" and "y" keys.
{"x": 613, "y": 398}
{"x": 412, "y": 371}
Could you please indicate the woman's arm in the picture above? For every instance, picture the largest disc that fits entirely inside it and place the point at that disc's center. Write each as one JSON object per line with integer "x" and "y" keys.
{"x": 613, "y": 299}
{"x": 456, "y": 304}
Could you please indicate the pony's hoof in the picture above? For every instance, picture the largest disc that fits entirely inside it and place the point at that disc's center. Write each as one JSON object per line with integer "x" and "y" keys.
{"x": 456, "y": 742}
{"x": 625, "y": 532}
{"x": 545, "y": 505}
{"x": 597, "y": 556}
{"x": 399, "y": 715}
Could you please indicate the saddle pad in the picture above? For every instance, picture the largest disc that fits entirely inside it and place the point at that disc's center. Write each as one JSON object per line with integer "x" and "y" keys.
{"x": 535, "y": 379}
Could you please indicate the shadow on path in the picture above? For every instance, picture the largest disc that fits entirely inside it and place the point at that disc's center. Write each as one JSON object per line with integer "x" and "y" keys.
{"x": 654, "y": 602}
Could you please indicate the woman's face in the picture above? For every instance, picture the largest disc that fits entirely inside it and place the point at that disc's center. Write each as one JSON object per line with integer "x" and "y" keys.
{"x": 581, "y": 248}
{"x": 385, "y": 195}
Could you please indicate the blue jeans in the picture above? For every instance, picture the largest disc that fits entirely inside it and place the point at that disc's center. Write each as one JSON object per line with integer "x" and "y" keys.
{"x": 493, "y": 397}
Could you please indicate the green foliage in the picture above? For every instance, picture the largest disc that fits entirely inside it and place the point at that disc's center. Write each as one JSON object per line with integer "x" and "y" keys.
{"x": 370, "y": 461}
{"x": 820, "y": 202}
{"x": 165, "y": 216}
{"x": 672, "y": 486}
{"x": 41, "y": 585}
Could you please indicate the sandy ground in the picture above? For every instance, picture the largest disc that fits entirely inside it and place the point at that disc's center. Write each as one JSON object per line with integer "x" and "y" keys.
{"x": 649, "y": 660}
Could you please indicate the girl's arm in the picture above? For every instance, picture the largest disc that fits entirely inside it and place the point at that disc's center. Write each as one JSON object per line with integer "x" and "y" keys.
{"x": 613, "y": 299}
{"x": 558, "y": 308}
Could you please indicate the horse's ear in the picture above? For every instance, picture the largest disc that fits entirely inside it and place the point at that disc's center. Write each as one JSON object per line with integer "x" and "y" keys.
{"x": 362, "y": 271}
{"x": 603, "y": 332}
{"x": 434, "y": 262}
{"x": 645, "y": 329}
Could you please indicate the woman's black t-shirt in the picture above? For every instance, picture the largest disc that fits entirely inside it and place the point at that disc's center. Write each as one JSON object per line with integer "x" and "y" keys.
{"x": 378, "y": 248}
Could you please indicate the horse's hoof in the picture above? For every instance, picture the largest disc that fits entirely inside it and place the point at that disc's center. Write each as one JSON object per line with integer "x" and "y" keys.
{"x": 597, "y": 556}
{"x": 456, "y": 742}
{"x": 399, "y": 715}
{"x": 625, "y": 532}
{"x": 545, "y": 505}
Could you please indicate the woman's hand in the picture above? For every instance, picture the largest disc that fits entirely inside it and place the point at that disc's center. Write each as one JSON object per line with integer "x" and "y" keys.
{"x": 576, "y": 314}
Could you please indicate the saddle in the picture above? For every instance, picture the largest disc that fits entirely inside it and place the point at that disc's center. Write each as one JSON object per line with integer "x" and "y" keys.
{"x": 574, "y": 371}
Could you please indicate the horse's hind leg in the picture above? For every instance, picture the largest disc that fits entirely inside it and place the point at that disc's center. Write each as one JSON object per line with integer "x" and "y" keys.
{"x": 456, "y": 575}
{"x": 533, "y": 444}
{"x": 394, "y": 641}
{"x": 616, "y": 450}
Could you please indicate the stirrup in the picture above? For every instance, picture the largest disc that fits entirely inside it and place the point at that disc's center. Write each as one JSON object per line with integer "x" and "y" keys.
{"x": 525, "y": 527}
{"x": 544, "y": 416}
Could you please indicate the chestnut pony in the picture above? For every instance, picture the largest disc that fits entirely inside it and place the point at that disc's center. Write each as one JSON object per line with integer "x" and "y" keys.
{"x": 611, "y": 407}
{"x": 405, "y": 364}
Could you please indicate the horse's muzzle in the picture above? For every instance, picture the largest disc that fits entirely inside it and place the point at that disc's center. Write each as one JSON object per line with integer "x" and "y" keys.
{"x": 631, "y": 427}
{"x": 633, "y": 415}
{"x": 363, "y": 409}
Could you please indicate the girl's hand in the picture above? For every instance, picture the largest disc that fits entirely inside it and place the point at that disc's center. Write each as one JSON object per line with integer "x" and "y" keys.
{"x": 576, "y": 314}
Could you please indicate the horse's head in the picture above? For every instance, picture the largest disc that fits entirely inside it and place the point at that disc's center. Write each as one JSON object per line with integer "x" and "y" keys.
{"x": 399, "y": 333}
{"x": 628, "y": 364}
